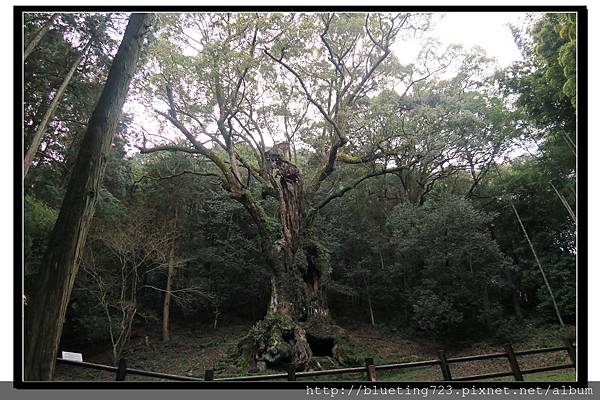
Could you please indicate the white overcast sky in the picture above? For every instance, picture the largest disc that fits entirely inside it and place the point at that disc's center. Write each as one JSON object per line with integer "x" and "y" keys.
{"x": 486, "y": 29}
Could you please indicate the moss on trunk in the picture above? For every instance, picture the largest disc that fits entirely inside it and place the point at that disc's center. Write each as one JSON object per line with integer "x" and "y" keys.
{"x": 298, "y": 316}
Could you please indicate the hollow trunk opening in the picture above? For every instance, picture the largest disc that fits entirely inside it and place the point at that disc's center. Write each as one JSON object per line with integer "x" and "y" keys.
{"x": 312, "y": 276}
{"x": 321, "y": 346}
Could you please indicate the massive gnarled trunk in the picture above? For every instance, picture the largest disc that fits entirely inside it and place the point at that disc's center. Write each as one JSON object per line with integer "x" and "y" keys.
{"x": 297, "y": 325}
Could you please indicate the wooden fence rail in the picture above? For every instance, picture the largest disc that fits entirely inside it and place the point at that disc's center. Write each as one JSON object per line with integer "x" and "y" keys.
{"x": 370, "y": 369}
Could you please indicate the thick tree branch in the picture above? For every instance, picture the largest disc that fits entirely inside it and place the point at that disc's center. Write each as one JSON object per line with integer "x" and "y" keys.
{"x": 330, "y": 165}
{"x": 201, "y": 149}
{"x": 161, "y": 178}
{"x": 154, "y": 149}
{"x": 349, "y": 159}
{"x": 341, "y": 137}
{"x": 327, "y": 21}
{"x": 358, "y": 181}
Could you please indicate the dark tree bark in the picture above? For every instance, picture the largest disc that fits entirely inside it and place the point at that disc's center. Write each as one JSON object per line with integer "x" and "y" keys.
{"x": 167, "y": 300}
{"x": 46, "y": 313}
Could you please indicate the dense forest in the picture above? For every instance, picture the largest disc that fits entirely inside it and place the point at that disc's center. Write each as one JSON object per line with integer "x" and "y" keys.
{"x": 292, "y": 173}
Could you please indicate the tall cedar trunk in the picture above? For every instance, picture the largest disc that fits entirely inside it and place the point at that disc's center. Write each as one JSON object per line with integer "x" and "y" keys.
{"x": 45, "y": 316}
{"x": 167, "y": 300}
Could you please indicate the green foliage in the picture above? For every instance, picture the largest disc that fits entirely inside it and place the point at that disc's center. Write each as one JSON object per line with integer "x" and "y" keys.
{"x": 39, "y": 218}
{"x": 550, "y": 228}
{"x": 44, "y": 71}
{"x": 509, "y": 330}
{"x": 560, "y": 272}
{"x": 86, "y": 323}
{"x": 449, "y": 241}
{"x": 435, "y": 315}
{"x": 38, "y": 222}
{"x": 555, "y": 44}
{"x": 261, "y": 331}
{"x": 543, "y": 86}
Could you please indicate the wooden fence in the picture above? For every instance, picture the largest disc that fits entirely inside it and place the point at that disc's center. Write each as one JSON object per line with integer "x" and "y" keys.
{"x": 370, "y": 369}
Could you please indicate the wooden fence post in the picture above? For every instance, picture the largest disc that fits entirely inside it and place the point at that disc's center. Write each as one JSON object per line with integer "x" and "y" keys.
{"x": 570, "y": 350}
{"x": 514, "y": 365}
{"x": 121, "y": 370}
{"x": 291, "y": 372}
{"x": 371, "y": 374}
{"x": 209, "y": 375}
{"x": 444, "y": 366}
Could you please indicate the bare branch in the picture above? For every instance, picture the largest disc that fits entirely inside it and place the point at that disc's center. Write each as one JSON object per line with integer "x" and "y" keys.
{"x": 327, "y": 21}
{"x": 358, "y": 181}
{"x": 201, "y": 149}
{"x": 308, "y": 95}
{"x": 154, "y": 149}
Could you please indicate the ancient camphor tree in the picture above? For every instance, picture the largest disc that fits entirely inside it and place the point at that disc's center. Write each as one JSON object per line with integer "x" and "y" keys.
{"x": 233, "y": 83}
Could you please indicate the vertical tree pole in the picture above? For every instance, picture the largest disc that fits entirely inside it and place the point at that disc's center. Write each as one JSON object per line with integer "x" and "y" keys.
{"x": 209, "y": 375}
{"x": 291, "y": 370}
{"x": 46, "y": 314}
{"x": 167, "y": 300}
{"x": 371, "y": 315}
{"x": 537, "y": 260}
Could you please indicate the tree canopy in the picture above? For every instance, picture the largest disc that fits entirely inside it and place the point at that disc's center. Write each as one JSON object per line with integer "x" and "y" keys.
{"x": 294, "y": 170}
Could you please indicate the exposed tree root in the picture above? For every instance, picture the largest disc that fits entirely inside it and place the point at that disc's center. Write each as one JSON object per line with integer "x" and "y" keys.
{"x": 278, "y": 341}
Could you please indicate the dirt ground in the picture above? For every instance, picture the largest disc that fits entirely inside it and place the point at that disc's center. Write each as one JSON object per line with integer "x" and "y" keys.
{"x": 193, "y": 350}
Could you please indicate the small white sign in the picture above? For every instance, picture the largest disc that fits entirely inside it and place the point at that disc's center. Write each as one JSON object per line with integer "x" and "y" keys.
{"x": 67, "y": 355}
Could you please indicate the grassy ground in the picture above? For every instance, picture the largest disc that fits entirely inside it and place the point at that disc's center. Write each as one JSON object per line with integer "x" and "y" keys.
{"x": 191, "y": 351}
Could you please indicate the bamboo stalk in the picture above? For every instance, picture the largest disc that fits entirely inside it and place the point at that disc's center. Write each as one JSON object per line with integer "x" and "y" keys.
{"x": 565, "y": 203}
{"x": 539, "y": 265}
